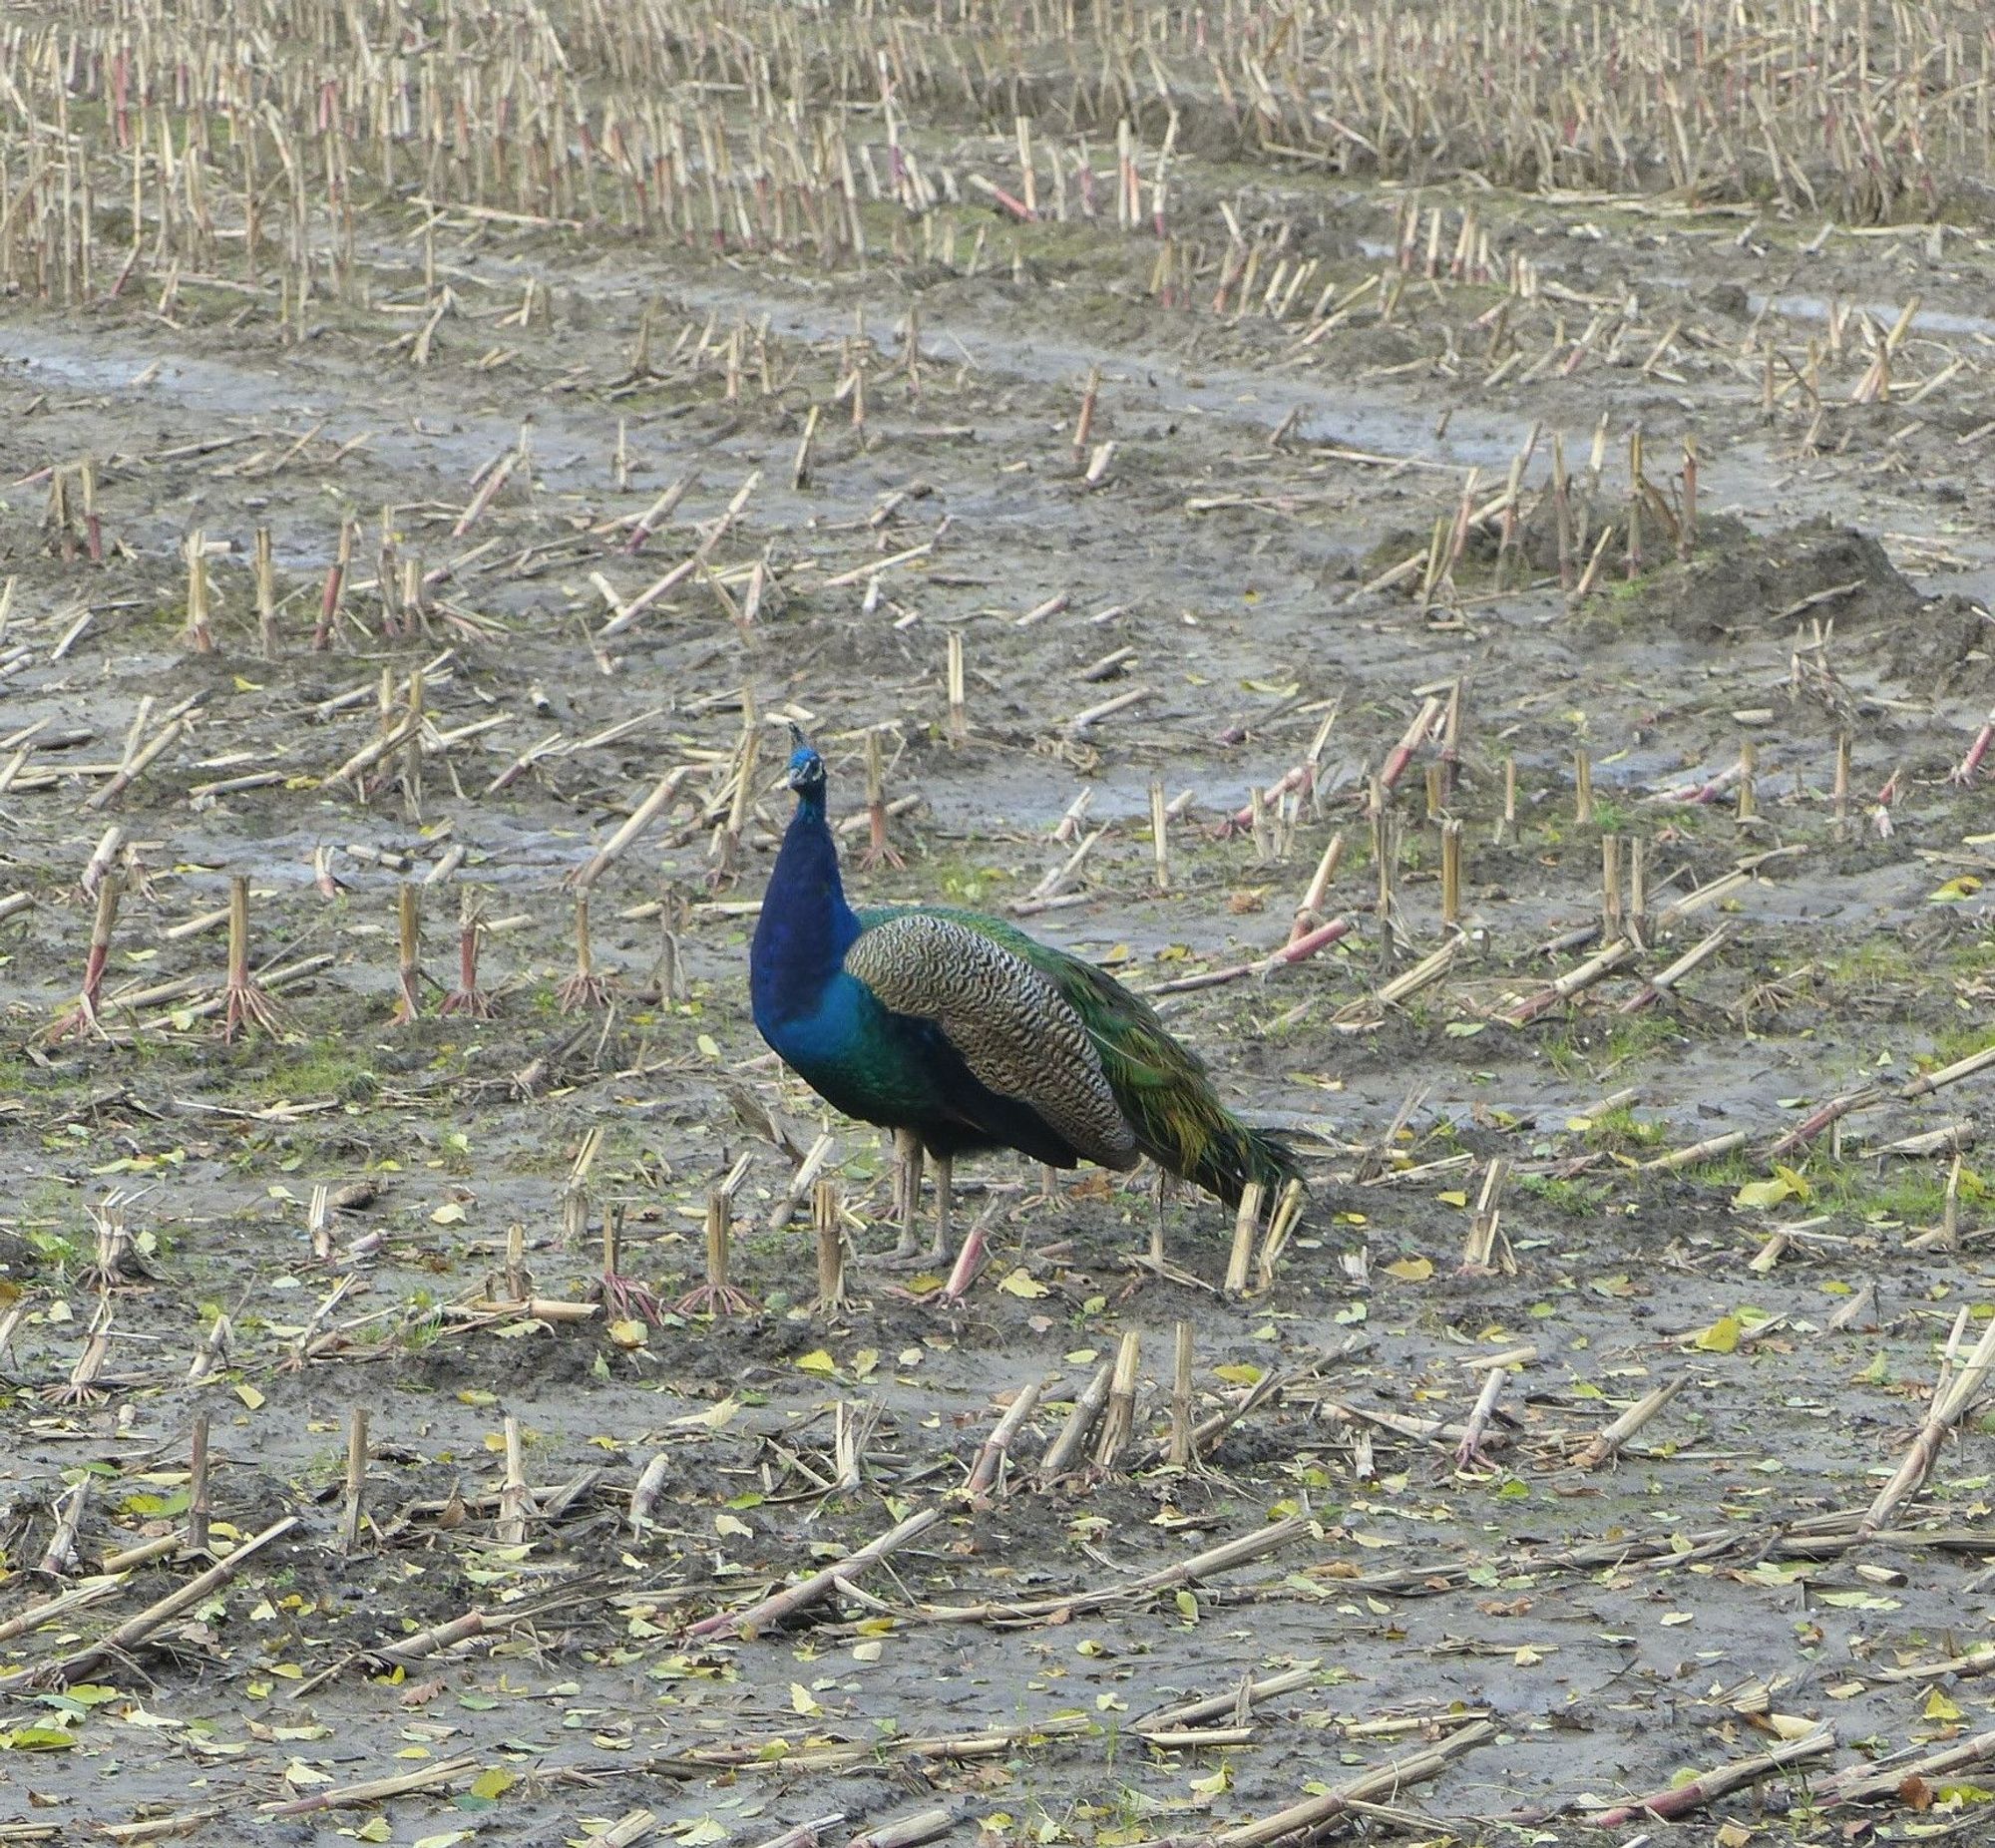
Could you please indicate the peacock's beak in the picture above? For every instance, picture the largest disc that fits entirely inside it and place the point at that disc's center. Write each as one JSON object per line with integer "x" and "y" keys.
{"x": 805, "y": 765}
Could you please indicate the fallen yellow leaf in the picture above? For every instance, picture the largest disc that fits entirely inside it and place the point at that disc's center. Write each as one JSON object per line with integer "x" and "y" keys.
{"x": 1722, "y": 1337}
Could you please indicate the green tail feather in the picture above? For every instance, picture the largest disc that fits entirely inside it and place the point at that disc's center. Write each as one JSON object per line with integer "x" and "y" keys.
{"x": 1163, "y": 1086}
{"x": 1163, "y": 1089}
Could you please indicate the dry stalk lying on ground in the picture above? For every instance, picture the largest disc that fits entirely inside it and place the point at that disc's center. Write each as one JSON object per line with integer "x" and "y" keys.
{"x": 773, "y": 1610}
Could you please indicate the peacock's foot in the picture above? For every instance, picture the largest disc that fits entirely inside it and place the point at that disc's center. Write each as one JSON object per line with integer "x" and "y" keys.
{"x": 626, "y": 1299}
{"x": 909, "y": 1252}
{"x": 715, "y": 1300}
{"x": 871, "y": 857}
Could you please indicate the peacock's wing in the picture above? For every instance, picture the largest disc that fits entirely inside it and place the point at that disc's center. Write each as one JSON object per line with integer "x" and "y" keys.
{"x": 1011, "y": 1025}
{"x": 1161, "y": 1086}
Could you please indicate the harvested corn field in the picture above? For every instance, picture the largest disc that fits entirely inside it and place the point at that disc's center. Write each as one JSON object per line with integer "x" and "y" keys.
{"x": 1447, "y": 546}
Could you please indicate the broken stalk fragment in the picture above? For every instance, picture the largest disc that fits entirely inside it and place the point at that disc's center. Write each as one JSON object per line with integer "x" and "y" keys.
{"x": 1180, "y": 1451}
{"x": 585, "y": 988}
{"x": 970, "y": 1260}
{"x": 726, "y": 848}
{"x": 1281, "y": 1225}
{"x": 623, "y": 1299}
{"x": 468, "y": 997}
{"x": 1118, "y": 1426}
{"x": 1246, "y": 1223}
{"x": 93, "y": 526}
{"x": 81, "y": 1019}
{"x": 1469, "y": 1453}
{"x": 59, "y": 1557}
{"x": 355, "y": 1515}
{"x": 1415, "y": 734}
{"x": 1951, "y": 1402}
{"x": 641, "y": 818}
{"x": 718, "y": 1296}
{"x": 827, "y": 1226}
{"x": 198, "y": 632}
{"x": 1308, "y": 914}
{"x": 1606, "y": 1446}
{"x": 1450, "y": 874}
{"x": 1062, "y": 1453}
{"x": 1479, "y": 1256}
{"x": 335, "y": 584}
{"x": 878, "y": 849}
{"x": 246, "y": 1003}
{"x": 516, "y": 1499}
{"x": 987, "y": 1474}
{"x": 409, "y": 941}
{"x": 959, "y": 717}
{"x": 267, "y": 595}
{"x": 103, "y": 857}
{"x": 199, "y": 1509}
{"x": 1963, "y": 773}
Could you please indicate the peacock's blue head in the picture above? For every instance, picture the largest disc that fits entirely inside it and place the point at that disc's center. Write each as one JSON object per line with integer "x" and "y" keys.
{"x": 806, "y": 767}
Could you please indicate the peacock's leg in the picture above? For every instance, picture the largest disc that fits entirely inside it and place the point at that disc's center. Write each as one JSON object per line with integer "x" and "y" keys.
{"x": 940, "y": 1251}
{"x": 901, "y": 1176}
{"x": 908, "y": 1154}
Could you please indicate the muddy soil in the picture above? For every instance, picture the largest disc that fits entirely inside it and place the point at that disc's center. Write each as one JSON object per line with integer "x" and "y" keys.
{"x": 1263, "y": 563}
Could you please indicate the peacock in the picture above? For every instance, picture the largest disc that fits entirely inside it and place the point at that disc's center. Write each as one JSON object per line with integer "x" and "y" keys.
{"x": 958, "y": 1032}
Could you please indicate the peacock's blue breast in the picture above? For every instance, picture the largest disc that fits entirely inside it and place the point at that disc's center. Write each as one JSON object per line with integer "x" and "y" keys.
{"x": 838, "y": 1021}
{"x": 856, "y": 1054}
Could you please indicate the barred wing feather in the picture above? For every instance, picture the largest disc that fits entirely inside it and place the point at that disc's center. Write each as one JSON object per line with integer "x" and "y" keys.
{"x": 1011, "y": 1025}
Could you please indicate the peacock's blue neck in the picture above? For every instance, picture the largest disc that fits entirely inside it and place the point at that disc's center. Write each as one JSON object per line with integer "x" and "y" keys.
{"x": 805, "y": 927}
